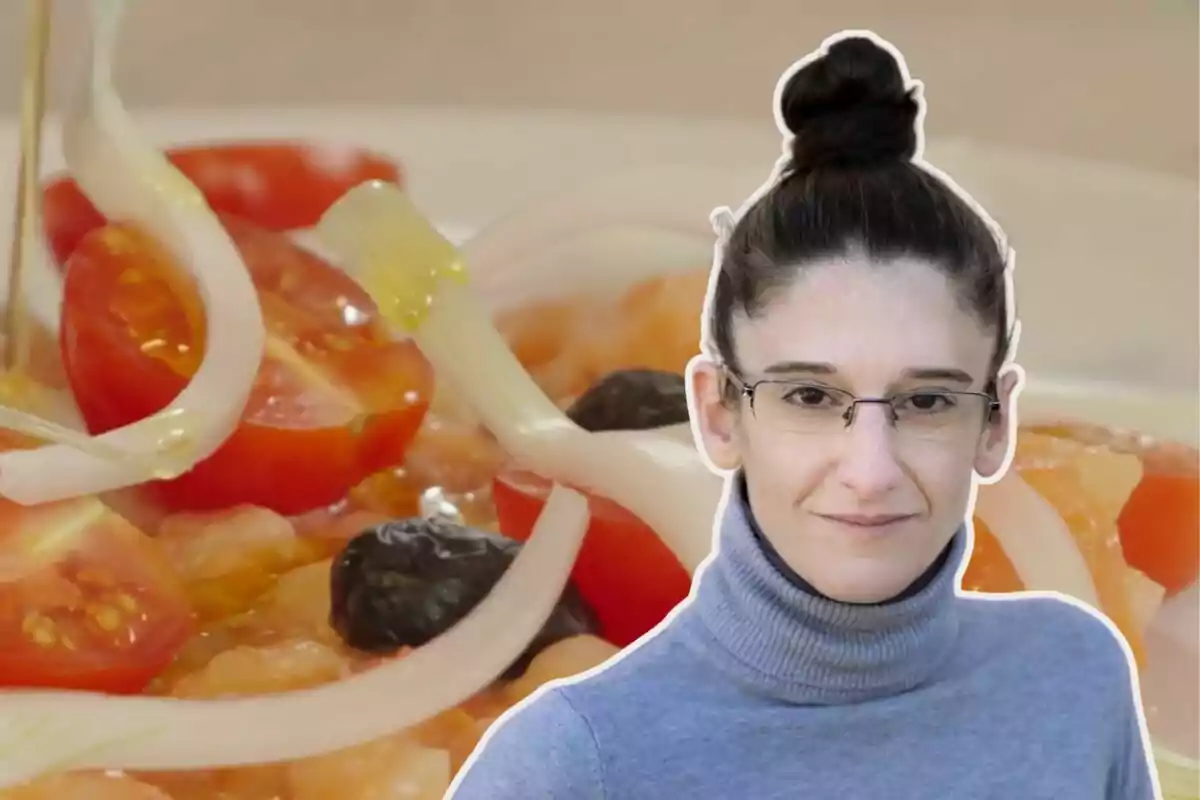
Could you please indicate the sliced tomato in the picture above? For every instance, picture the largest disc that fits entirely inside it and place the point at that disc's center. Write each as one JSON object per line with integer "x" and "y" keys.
{"x": 1160, "y": 527}
{"x": 624, "y": 571}
{"x": 1159, "y": 524}
{"x": 336, "y": 398}
{"x": 278, "y": 185}
{"x": 87, "y": 601}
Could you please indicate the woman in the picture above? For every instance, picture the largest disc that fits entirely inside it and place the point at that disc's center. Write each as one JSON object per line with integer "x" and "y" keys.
{"x": 855, "y": 387}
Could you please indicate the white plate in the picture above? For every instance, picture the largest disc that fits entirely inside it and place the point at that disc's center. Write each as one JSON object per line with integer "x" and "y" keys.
{"x": 1106, "y": 257}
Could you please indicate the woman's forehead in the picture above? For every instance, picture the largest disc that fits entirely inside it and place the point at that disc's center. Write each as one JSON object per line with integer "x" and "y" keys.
{"x": 869, "y": 321}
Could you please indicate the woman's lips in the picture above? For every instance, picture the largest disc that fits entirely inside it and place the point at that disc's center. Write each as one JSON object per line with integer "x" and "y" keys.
{"x": 868, "y": 521}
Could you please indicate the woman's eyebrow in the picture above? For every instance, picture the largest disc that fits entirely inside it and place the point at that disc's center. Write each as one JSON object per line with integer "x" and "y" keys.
{"x": 945, "y": 374}
{"x": 793, "y": 367}
{"x": 938, "y": 374}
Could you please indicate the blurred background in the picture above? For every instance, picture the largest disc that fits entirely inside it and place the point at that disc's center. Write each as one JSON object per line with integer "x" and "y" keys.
{"x": 489, "y": 104}
{"x": 1073, "y": 121}
{"x": 1108, "y": 79}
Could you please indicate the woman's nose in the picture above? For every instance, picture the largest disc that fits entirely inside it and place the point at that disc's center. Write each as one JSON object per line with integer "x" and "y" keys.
{"x": 868, "y": 463}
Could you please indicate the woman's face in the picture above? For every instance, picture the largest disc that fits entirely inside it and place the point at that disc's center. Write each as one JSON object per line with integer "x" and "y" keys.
{"x": 859, "y": 512}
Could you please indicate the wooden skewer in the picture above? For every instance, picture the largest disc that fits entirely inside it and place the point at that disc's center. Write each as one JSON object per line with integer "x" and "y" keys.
{"x": 27, "y": 216}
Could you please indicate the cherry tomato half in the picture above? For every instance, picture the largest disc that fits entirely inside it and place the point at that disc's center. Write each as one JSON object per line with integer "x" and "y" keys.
{"x": 1160, "y": 528}
{"x": 87, "y": 601}
{"x": 1159, "y": 524}
{"x": 624, "y": 571}
{"x": 336, "y": 398}
{"x": 278, "y": 185}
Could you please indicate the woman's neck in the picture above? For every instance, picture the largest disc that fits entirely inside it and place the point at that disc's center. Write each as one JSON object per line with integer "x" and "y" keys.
{"x": 773, "y": 632}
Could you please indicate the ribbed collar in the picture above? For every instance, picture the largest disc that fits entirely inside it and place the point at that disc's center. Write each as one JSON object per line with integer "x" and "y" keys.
{"x": 761, "y": 622}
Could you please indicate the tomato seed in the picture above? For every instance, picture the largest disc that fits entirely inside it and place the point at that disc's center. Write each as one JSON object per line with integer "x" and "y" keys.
{"x": 40, "y": 630}
{"x": 29, "y": 623}
{"x": 106, "y": 617}
{"x": 91, "y": 576}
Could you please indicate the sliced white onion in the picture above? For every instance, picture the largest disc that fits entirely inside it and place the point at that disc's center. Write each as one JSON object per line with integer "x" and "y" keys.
{"x": 1178, "y": 620}
{"x": 402, "y": 261}
{"x": 47, "y": 430}
{"x": 1145, "y": 597}
{"x": 1169, "y": 688}
{"x": 681, "y": 433}
{"x": 1035, "y": 538}
{"x": 127, "y": 179}
{"x": 46, "y": 732}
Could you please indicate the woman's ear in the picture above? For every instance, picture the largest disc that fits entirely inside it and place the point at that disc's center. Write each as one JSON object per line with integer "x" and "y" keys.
{"x": 998, "y": 442}
{"x": 714, "y": 420}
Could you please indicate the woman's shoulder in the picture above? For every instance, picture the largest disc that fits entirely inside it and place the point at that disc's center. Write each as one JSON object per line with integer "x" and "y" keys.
{"x": 541, "y": 747}
{"x": 1051, "y": 628}
{"x": 660, "y": 662}
{"x": 1051, "y": 612}
{"x": 646, "y": 684}
{"x": 555, "y": 742}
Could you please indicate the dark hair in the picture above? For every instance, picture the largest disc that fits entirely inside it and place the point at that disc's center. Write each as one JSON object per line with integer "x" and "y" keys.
{"x": 851, "y": 185}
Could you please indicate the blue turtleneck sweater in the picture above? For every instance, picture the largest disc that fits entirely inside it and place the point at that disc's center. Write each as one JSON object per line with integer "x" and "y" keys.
{"x": 759, "y": 688}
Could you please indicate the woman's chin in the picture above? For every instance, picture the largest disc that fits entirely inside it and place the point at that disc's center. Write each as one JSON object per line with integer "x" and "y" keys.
{"x": 865, "y": 587}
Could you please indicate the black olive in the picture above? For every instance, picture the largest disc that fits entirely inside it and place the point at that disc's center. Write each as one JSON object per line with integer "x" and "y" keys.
{"x": 632, "y": 399}
{"x": 406, "y": 581}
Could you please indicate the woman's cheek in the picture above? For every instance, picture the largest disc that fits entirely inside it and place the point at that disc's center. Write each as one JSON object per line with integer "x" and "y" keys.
{"x": 793, "y": 465}
{"x": 945, "y": 477}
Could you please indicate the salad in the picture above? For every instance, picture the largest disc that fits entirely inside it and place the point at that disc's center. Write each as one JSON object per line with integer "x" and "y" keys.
{"x": 289, "y": 522}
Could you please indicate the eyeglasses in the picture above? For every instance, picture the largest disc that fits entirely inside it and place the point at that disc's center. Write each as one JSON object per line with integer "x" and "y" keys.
{"x": 811, "y": 408}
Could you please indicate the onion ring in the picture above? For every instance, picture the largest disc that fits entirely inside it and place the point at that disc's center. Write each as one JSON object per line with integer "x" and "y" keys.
{"x": 126, "y": 179}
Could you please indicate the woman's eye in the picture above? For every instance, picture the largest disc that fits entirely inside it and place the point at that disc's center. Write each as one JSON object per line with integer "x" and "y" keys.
{"x": 926, "y": 402}
{"x": 808, "y": 396}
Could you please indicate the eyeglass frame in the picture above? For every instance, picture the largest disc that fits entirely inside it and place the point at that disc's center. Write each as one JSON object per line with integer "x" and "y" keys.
{"x": 748, "y": 390}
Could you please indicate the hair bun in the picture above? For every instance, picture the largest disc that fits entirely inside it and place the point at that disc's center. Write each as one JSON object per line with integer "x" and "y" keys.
{"x": 850, "y": 108}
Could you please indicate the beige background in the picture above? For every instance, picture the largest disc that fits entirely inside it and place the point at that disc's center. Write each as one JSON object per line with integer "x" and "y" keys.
{"x": 1117, "y": 83}
{"x": 1113, "y": 79}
